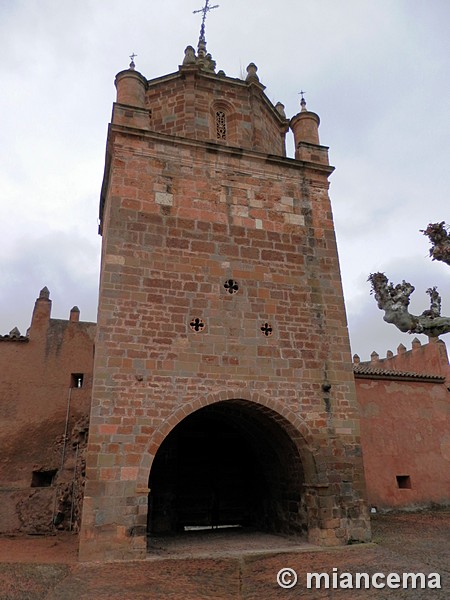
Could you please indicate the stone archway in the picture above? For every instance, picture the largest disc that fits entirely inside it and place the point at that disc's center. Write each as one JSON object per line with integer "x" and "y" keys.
{"x": 233, "y": 462}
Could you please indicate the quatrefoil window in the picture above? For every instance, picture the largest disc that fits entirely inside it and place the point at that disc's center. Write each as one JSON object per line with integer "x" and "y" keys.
{"x": 267, "y": 329}
{"x": 197, "y": 325}
{"x": 231, "y": 286}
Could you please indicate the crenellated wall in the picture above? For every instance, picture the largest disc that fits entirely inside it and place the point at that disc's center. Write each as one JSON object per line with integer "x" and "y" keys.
{"x": 404, "y": 402}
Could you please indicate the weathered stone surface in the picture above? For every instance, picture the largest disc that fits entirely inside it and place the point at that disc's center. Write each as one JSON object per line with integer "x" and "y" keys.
{"x": 37, "y": 395}
{"x": 193, "y": 202}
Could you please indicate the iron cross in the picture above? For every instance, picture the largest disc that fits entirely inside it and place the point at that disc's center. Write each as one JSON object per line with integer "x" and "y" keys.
{"x": 205, "y": 10}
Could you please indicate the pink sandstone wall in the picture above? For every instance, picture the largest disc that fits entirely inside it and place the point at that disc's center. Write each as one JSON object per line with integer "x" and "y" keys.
{"x": 35, "y": 387}
{"x": 184, "y": 213}
{"x": 405, "y": 426}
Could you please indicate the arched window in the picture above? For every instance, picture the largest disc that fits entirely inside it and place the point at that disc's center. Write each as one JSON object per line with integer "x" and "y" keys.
{"x": 223, "y": 123}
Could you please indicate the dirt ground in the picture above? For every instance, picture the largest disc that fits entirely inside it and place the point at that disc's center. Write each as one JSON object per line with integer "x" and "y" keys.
{"x": 234, "y": 565}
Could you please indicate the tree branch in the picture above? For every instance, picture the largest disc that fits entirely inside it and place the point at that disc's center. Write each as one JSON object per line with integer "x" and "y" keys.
{"x": 394, "y": 300}
{"x": 439, "y": 237}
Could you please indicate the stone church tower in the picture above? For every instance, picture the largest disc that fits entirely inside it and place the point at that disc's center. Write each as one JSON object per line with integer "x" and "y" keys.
{"x": 223, "y": 388}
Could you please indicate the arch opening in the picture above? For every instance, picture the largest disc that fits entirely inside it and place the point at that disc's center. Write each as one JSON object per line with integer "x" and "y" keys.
{"x": 223, "y": 122}
{"x": 228, "y": 464}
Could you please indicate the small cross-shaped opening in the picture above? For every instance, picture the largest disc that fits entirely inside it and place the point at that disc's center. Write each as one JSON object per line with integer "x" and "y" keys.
{"x": 231, "y": 286}
{"x": 267, "y": 329}
{"x": 197, "y": 324}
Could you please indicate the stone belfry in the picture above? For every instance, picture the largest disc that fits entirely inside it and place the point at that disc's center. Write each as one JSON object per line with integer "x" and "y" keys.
{"x": 223, "y": 387}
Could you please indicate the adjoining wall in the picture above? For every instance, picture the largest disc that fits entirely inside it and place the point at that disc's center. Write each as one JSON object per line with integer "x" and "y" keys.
{"x": 405, "y": 426}
{"x": 44, "y": 412}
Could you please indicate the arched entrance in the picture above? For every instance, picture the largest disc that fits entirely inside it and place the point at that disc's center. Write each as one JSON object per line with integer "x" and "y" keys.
{"x": 229, "y": 463}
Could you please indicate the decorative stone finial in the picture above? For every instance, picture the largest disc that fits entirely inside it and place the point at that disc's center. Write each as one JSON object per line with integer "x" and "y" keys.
{"x": 416, "y": 343}
{"x": 251, "y": 72}
{"x": 210, "y": 64}
{"x": 132, "y": 65}
{"x": 356, "y": 359}
{"x": 203, "y": 59}
{"x": 74, "y": 314}
{"x": 374, "y": 357}
{"x": 279, "y": 107}
{"x": 14, "y": 333}
{"x": 201, "y": 49}
{"x": 189, "y": 56}
{"x": 389, "y": 354}
{"x": 44, "y": 293}
{"x": 401, "y": 349}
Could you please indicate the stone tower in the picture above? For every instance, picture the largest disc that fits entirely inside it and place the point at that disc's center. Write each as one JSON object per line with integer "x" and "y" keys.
{"x": 223, "y": 387}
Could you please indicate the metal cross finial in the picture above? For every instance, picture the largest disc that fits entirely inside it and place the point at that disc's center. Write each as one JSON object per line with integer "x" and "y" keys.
{"x": 132, "y": 56}
{"x": 205, "y": 10}
{"x": 303, "y": 101}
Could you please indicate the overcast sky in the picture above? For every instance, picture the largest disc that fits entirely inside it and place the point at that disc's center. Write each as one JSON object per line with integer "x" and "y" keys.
{"x": 377, "y": 73}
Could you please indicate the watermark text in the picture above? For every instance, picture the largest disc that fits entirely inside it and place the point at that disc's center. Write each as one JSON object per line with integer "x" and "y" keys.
{"x": 338, "y": 580}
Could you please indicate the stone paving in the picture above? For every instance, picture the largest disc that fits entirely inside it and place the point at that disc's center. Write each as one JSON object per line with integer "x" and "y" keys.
{"x": 215, "y": 543}
{"x": 237, "y": 565}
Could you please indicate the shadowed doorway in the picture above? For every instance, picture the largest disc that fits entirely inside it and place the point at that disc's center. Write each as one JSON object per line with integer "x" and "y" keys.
{"x": 228, "y": 464}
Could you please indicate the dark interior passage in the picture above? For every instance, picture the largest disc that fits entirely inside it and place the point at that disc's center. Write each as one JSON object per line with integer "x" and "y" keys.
{"x": 227, "y": 464}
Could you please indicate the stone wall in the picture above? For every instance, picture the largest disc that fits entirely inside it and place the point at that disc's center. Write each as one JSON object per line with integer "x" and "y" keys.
{"x": 405, "y": 426}
{"x": 220, "y": 284}
{"x": 44, "y": 413}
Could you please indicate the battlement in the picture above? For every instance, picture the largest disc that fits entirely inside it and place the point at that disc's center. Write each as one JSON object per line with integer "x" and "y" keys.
{"x": 43, "y": 327}
{"x": 428, "y": 360}
{"x": 14, "y": 336}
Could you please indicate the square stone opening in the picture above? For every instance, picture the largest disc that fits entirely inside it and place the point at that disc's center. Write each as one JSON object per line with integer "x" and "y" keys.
{"x": 403, "y": 482}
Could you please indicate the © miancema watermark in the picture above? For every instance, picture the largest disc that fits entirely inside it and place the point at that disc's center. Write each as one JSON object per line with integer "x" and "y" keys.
{"x": 288, "y": 578}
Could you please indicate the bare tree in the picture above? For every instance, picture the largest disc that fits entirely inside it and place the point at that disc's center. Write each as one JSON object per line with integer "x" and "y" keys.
{"x": 394, "y": 299}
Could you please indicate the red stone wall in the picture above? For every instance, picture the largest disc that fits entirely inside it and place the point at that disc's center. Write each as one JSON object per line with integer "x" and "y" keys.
{"x": 184, "y": 104}
{"x": 181, "y": 217}
{"x": 35, "y": 386}
{"x": 429, "y": 358}
{"x": 405, "y": 428}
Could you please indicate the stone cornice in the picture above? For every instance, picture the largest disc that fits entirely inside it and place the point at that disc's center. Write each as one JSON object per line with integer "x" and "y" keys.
{"x": 230, "y": 150}
{"x": 210, "y": 147}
